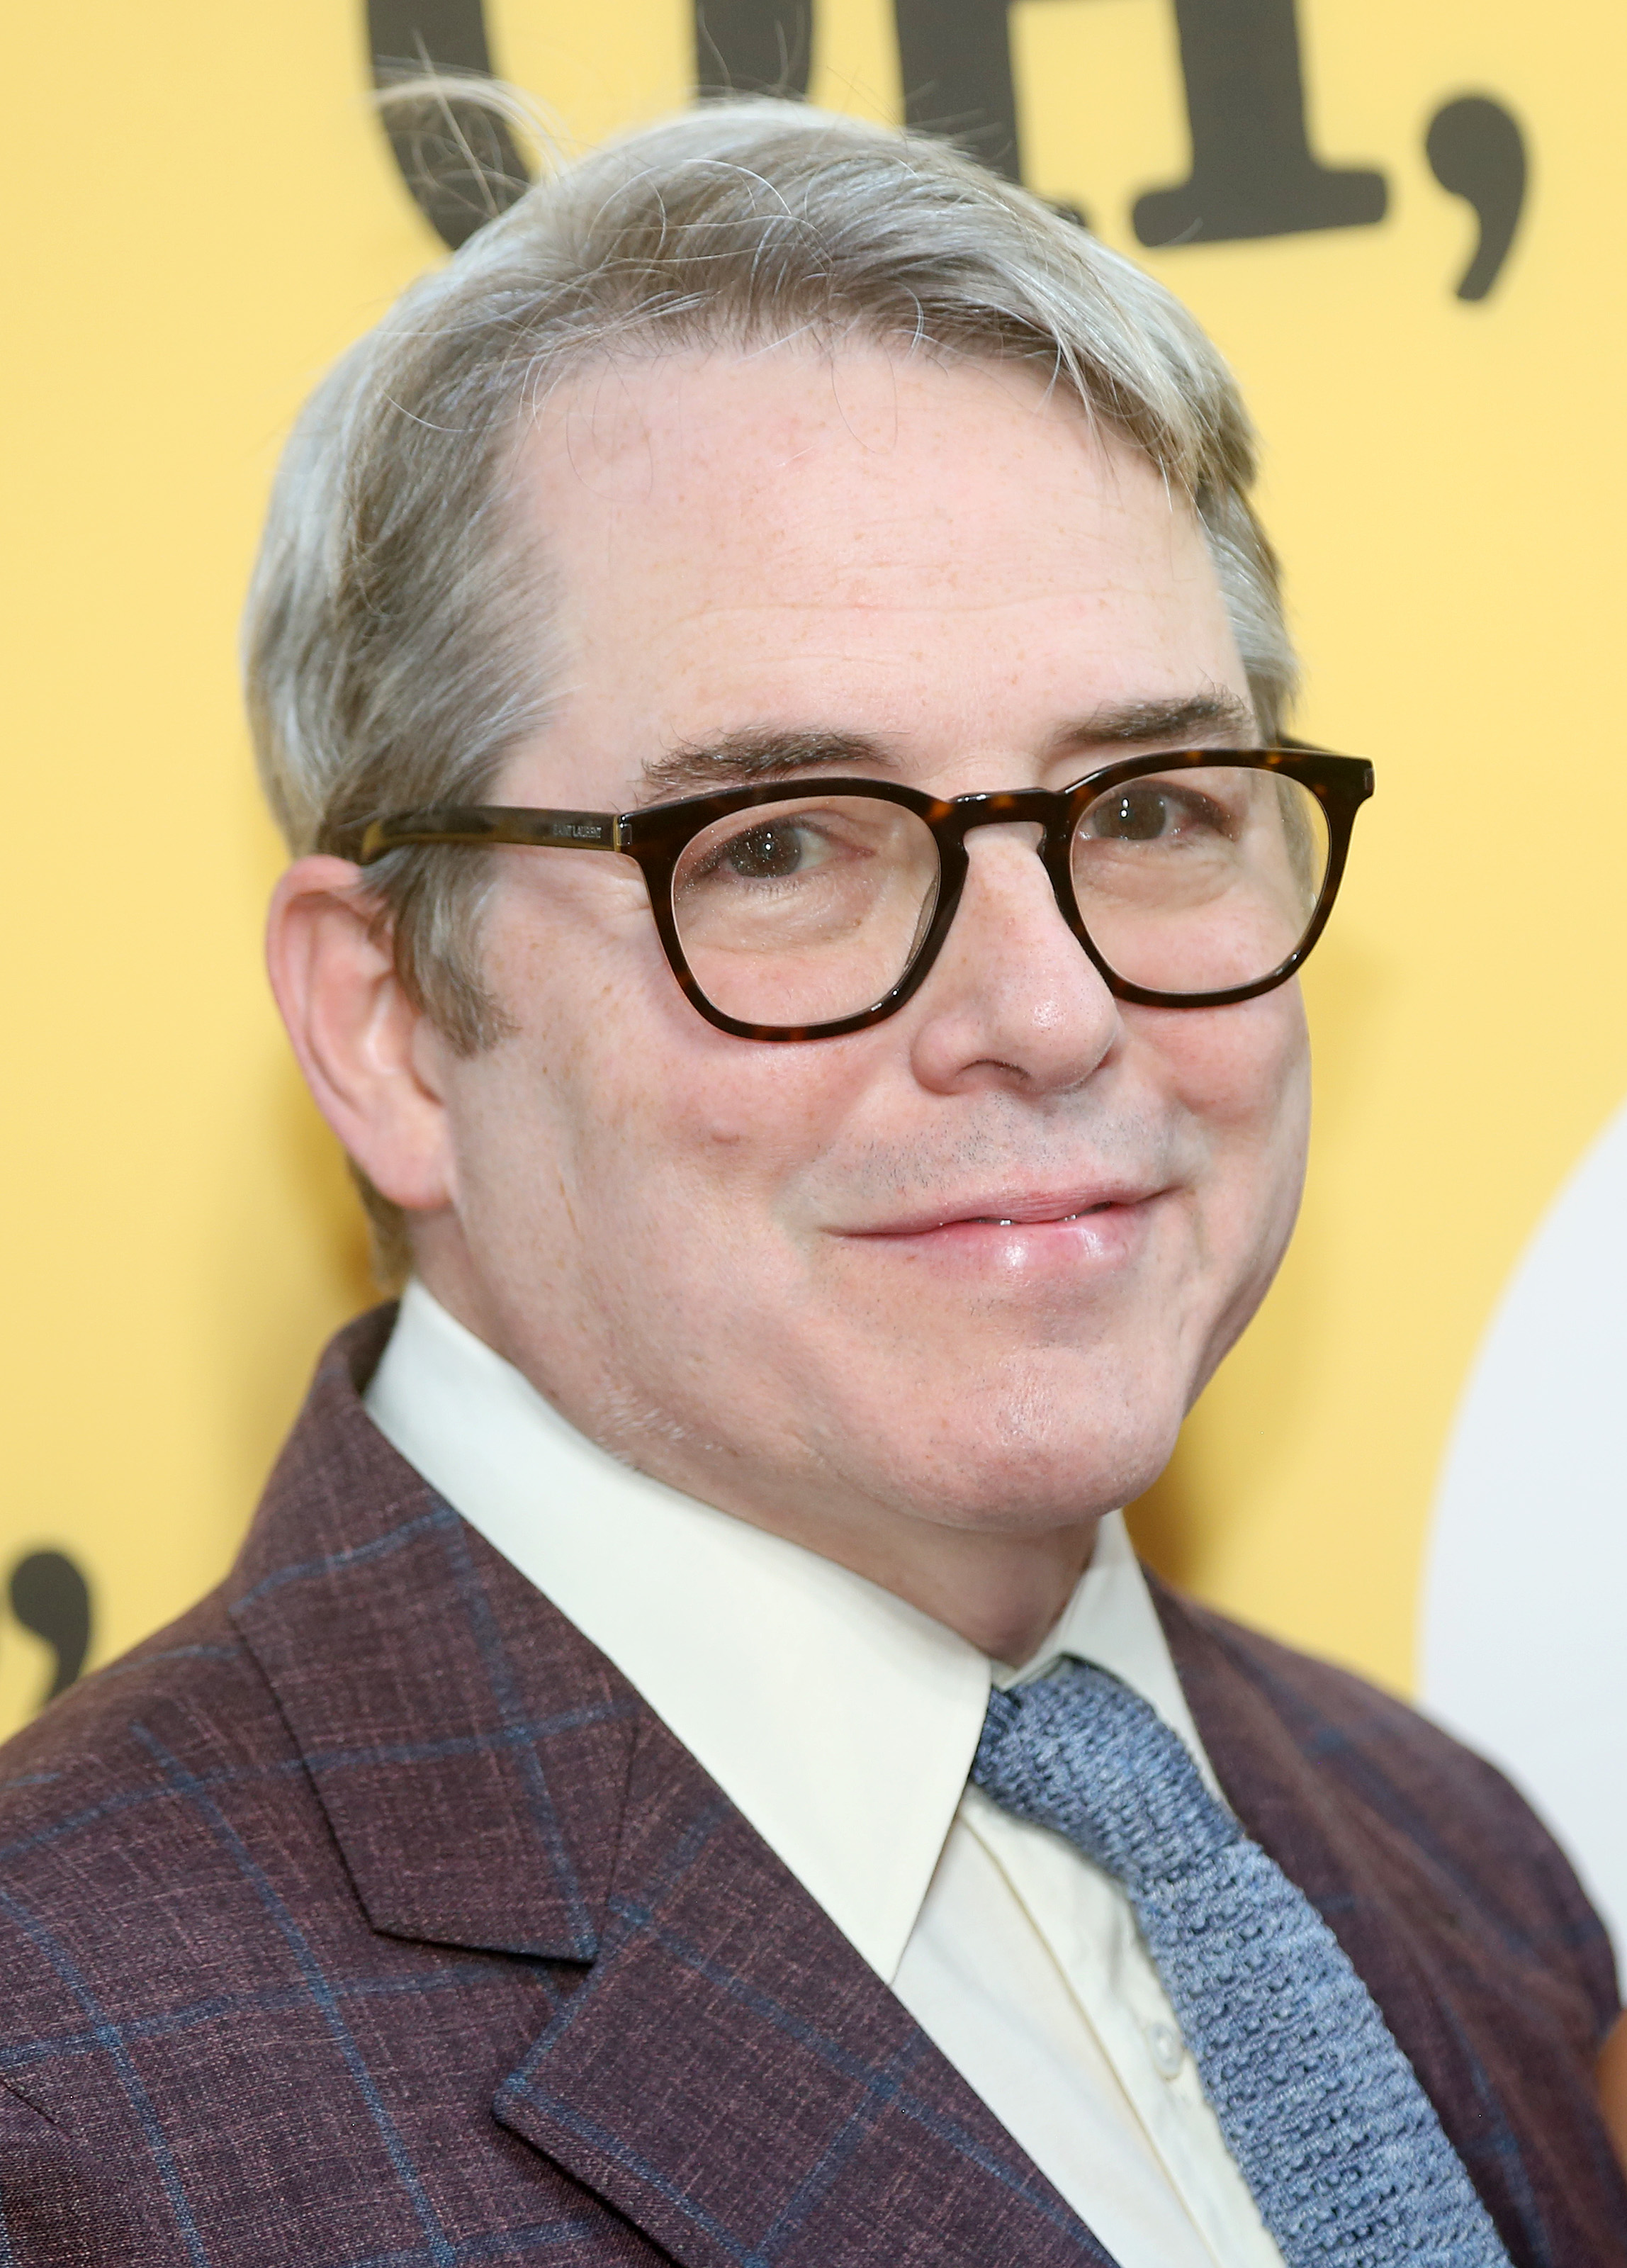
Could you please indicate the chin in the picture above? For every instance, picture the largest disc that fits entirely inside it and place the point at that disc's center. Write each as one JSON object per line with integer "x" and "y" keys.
{"x": 1020, "y": 1441}
{"x": 1032, "y": 1473}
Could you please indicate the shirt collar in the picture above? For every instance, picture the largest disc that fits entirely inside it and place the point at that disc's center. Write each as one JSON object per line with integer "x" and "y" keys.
{"x": 840, "y": 1720}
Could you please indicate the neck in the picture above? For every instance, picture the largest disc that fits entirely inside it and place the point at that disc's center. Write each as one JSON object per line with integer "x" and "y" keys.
{"x": 1002, "y": 1593}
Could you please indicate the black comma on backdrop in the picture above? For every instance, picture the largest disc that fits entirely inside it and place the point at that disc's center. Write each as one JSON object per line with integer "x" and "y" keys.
{"x": 1477, "y": 151}
{"x": 1254, "y": 172}
{"x": 51, "y": 1597}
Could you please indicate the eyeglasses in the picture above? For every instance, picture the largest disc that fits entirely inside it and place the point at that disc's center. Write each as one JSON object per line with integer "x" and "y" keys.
{"x": 801, "y": 910}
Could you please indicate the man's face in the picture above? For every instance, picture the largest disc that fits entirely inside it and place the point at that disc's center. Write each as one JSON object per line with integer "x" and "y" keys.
{"x": 967, "y": 1267}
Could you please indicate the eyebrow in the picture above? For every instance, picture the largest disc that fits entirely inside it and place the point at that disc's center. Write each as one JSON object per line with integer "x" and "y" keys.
{"x": 742, "y": 759}
{"x": 1141, "y": 724}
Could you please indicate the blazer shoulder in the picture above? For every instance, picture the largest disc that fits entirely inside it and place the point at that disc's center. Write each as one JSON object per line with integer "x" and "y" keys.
{"x": 196, "y": 1676}
{"x": 1354, "y": 1725}
{"x": 101, "y": 1908}
{"x": 103, "y": 1806}
{"x": 1373, "y": 1752}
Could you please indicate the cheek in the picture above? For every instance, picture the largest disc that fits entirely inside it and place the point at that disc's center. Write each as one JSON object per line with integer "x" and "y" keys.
{"x": 1240, "y": 1080}
{"x": 653, "y": 1116}
{"x": 1242, "y": 1072}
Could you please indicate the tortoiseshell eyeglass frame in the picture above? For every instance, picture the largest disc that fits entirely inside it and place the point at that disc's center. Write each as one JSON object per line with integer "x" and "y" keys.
{"x": 657, "y": 836}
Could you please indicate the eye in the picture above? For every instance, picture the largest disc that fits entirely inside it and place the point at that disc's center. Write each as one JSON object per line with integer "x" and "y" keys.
{"x": 1134, "y": 815}
{"x": 767, "y": 854}
{"x": 1166, "y": 811}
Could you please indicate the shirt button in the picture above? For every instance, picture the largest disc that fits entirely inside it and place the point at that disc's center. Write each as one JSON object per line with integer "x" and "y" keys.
{"x": 1168, "y": 2049}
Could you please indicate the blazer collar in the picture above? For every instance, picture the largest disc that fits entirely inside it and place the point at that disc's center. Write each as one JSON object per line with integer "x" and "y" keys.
{"x": 469, "y": 1747}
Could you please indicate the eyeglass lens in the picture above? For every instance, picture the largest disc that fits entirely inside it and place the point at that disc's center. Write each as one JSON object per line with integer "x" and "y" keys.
{"x": 808, "y": 910}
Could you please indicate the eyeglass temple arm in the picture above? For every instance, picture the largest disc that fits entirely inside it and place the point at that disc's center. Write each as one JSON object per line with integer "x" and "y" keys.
{"x": 540, "y": 830}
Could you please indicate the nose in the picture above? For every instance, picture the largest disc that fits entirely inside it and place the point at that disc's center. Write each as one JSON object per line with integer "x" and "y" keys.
{"x": 1013, "y": 1000}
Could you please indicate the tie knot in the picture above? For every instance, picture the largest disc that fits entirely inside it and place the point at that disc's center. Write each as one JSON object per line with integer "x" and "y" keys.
{"x": 1079, "y": 1753}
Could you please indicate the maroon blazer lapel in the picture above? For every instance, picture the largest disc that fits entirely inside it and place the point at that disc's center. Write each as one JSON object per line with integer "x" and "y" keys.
{"x": 1455, "y": 1908}
{"x": 737, "y": 2082}
{"x": 720, "y": 2066}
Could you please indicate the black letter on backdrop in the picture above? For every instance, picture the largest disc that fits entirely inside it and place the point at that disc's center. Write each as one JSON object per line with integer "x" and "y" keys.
{"x": 51, "y": 1597}
{"x": 1477, "y": 152}
{"x": 752, "y": 47}
{"x": 459, "y": 161}
{"x": 954, "y": 58}
{"x": 1253, "y": 172}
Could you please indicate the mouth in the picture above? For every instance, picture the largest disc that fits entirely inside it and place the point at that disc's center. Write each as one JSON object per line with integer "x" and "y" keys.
{"x": 1018, "y": 1220}
{"x": 1011, "y": 1210}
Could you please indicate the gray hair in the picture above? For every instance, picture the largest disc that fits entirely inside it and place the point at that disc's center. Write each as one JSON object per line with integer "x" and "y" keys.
{"x": 397, "y": 642}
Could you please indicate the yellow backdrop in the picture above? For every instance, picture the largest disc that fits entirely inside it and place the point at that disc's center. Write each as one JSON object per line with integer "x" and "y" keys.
{"x": 204, "y": 212}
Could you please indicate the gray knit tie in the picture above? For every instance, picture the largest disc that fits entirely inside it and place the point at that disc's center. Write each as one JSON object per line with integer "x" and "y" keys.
{"x": 1328, "y": 2125}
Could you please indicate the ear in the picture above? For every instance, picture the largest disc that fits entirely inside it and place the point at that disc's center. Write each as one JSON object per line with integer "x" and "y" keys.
{"x": 370, "y": 1056}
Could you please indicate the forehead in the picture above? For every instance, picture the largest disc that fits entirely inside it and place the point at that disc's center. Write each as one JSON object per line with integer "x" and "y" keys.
{"x": 862, "y": 542}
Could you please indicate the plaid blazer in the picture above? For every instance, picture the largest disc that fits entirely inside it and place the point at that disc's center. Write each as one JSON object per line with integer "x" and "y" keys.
{"x": 368, "y": 1918}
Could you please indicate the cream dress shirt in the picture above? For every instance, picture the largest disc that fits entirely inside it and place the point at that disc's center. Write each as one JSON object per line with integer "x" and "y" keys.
{"x": 843, "y": 1723}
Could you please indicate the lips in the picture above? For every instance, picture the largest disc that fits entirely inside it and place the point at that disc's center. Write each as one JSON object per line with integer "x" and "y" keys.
{"x": 1017, "y": 1218}
{"x": 1010, "y": 1210}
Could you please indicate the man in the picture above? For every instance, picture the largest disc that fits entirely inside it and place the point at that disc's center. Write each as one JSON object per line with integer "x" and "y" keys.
{"x": 680, "y": 628}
